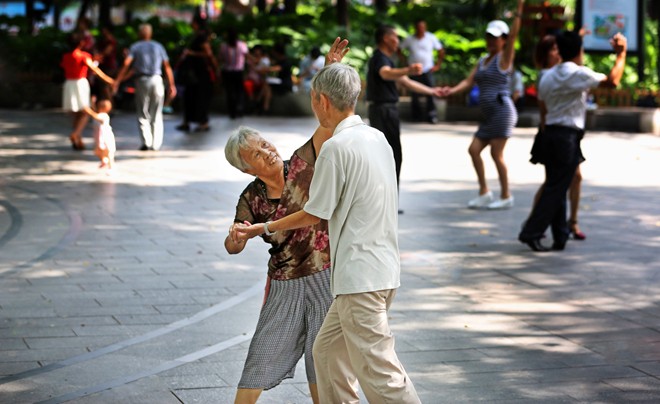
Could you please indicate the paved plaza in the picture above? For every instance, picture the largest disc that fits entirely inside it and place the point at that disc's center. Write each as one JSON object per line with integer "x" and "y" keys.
{"x": 117, "y": 289}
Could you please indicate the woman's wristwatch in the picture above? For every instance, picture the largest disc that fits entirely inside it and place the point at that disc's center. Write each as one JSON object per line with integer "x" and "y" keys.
{"x": 268, "y": 233}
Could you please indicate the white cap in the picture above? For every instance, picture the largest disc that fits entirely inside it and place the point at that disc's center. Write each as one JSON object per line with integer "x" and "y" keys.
{"x": 497, "y": 27}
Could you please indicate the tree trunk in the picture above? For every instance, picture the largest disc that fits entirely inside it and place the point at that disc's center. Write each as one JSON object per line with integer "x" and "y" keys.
{"x": 489, "y": 10}
{"x": 261, "y": 6}
{"x": 84, "y": 6}
{"x": 29, "y": 14}
{"x": 104, "y": 13}
{"x": 381, "y": 5}
{"x": 342, "y": 13}
{"x": 290, "y": 6}
{"x": 56, "y": 16}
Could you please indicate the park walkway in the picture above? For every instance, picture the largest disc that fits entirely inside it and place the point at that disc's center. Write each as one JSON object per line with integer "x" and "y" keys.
{"x": 118, "y": 290}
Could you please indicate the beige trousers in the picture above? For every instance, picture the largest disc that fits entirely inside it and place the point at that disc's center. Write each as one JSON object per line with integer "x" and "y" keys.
{"x": 354, "y": 345}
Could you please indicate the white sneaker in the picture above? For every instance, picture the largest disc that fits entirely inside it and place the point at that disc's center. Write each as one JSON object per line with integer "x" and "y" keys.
{"x": 481, "y": 201}
{"x": 502, "y": 203}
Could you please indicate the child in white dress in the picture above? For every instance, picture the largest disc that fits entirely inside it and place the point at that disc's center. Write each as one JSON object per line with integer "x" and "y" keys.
{"x": 104, "y": 138}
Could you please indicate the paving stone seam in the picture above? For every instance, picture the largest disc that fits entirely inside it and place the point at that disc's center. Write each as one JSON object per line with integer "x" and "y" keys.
{"x": 71, "y": 235}
{"x": 202, "y": 315}
{"x": 16, "y": 222}
{"x": 183, "y": 360}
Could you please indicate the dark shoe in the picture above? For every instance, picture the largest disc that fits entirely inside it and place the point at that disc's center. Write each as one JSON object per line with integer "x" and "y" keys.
{"x": 400, "y": 211}
{"x": 535, "y": 245}
{"x": 202, "y": 128}
{"x": 77, "y": 143}
{"x": 143, "y": 148}
{"x": 559, "y": 245}
{"x": 184, "y": 127}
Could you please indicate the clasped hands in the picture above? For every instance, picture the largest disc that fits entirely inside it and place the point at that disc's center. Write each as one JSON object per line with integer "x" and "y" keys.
{"x": 242, "y": 232}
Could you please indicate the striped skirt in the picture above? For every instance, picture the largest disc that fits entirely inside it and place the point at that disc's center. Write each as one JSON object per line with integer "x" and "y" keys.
{"x": 287, "y": 327}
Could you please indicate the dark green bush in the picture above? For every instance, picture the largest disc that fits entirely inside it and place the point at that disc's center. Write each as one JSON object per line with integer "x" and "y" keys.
{"x": 457, "y": 24}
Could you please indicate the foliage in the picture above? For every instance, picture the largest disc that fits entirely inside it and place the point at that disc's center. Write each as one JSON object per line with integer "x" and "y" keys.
{"x": 459, "y": 24}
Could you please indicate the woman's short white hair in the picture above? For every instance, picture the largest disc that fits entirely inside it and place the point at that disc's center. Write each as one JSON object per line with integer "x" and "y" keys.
{"x": 239, "y": 140}
{"x": 340, "y": 83}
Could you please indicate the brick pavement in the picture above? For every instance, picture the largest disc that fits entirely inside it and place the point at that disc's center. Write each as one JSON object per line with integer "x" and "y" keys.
{"x": 117, "y": 289}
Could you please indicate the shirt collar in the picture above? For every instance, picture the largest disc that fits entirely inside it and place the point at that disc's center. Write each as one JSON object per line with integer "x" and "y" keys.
{"x": 348, "y": 122}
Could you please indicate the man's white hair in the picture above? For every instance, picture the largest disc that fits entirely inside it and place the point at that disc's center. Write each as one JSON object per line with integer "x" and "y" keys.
{"x": 340, "y": 83}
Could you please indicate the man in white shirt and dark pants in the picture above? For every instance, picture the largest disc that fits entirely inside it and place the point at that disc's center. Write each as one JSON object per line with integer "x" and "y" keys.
{"x": 564, "y": 90}
{"x": 355, "y": 189}
{"x": 420, "y": 47}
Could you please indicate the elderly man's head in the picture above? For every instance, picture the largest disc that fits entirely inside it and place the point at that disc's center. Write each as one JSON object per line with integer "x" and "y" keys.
{"x": 340, "y": 84}
{"x": 247, "y": 151}
{"x": 145, "y": 31}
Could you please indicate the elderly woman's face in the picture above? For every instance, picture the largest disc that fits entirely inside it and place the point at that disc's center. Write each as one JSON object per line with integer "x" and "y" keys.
{"x": 262, "y": 156}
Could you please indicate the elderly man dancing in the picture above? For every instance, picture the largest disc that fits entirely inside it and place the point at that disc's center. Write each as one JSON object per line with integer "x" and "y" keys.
{"x": 354, "y": 187}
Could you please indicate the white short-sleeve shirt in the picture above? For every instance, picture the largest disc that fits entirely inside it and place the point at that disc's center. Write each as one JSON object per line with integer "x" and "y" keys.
{"x": 564, "y": 89}
{"x": 421, "y": 50}
{"x": 354, "y": 188}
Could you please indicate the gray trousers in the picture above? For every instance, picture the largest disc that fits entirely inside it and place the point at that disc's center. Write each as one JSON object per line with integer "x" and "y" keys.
{"x": 149, "y": 99}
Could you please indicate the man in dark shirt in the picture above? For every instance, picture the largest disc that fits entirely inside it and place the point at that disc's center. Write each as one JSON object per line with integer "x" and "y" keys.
{"x": 382, "y": 94}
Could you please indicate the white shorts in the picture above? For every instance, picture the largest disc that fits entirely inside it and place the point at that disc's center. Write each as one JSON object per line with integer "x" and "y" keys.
{"x": 75, "y": 95}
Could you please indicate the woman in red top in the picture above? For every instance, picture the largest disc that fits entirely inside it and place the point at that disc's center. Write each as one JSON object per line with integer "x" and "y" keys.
{"x": 75, "y": 96}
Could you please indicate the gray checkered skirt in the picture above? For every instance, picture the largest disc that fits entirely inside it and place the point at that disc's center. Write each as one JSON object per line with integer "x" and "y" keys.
{"x": 287, "y": 327}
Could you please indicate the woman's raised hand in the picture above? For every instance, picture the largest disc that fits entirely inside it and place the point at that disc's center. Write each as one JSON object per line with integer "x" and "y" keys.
{"x": 337, "y": 51}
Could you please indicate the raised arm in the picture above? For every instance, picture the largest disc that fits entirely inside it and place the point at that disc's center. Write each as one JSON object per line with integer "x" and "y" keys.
{"x": 90, "y": 63}
{"x": 337, "y": 51}
{"x": 510, "y": 49}
{"x": 620, "y": 46}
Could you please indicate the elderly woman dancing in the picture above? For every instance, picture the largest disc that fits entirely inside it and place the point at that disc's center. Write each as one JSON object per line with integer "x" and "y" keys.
{"x": 298, "y": 291}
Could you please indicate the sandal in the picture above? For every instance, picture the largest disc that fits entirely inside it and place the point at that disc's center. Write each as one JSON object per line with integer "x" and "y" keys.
{"x": 77, "y": 143}
{"x": 575, "y": 230}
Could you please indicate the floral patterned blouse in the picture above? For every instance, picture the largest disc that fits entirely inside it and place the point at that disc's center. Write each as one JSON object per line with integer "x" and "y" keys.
{"x": 294, "y": 253}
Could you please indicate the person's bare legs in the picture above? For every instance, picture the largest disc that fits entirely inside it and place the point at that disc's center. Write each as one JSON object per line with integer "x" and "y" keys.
{"x": 475, "y": 149}
{"x": 574, "y": 199}
{"x": 247, "y": 396}
{"x": 267, "y": 93}
{"x": 314, "y": 391}
{"x": 497, "y": 153}
{"x": 80, "y": 120}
